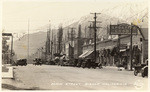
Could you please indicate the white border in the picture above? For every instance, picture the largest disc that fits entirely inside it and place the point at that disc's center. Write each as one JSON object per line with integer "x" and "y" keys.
{"x": 70, "y": 1}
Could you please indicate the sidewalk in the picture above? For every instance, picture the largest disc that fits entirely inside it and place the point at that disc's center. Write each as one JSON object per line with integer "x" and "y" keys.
{"x": 116, "y": 68}
{"x": 7, "y": 72}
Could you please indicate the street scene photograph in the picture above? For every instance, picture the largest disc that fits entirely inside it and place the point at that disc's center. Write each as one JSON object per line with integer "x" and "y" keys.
{"x": 74, "y": 45}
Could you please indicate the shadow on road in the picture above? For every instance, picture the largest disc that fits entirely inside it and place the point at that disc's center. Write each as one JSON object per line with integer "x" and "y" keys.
{"x": 11, "y": 87}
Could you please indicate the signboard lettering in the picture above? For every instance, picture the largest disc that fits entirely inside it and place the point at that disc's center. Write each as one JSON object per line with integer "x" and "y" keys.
{"x": 122, "y": 29}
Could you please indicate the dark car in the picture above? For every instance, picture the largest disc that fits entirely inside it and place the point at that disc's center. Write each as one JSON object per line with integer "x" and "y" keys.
{"x": 21, "y": 62}
{"x": 52, "y": 62}
{"x": 37, "y": 61}
{"x": 89, "y": 64}
{"x": 75, "y": 62}
{"x": 141, "y": 68}
{"x": 80, "y": 61}
{"x": 63, "y": 61}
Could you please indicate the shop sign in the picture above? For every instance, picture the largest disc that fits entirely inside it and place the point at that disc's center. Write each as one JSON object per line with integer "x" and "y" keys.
{"x": 122, "y": 29}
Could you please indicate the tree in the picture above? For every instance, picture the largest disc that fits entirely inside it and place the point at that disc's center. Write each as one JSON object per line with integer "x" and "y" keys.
{"x": 60, "y": 37}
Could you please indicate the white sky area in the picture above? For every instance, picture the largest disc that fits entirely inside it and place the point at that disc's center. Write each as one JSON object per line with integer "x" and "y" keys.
{"x": 15, "y": 14}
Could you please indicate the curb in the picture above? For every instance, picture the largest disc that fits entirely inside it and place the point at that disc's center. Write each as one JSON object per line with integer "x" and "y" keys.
{"x": 9, "y": 74}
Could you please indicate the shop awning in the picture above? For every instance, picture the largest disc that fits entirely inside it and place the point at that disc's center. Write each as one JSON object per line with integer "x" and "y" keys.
{"x": 107, "y": 47}
{"x": 86, "y": 54}
{"x": 83, "y": 54}
{"x": 122, "y": 50}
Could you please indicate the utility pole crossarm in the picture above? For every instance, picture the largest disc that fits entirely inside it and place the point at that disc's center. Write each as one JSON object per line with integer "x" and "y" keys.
{"x": 94, "y": 27}
{"x": 96, "y": 21}
{"x": 95, "y": 13}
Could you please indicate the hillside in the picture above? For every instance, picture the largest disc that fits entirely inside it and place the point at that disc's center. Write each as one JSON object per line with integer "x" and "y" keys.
{"x": 36, "y": 40}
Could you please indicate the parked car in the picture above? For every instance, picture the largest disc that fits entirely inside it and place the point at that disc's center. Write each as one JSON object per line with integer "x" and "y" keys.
{"x": 37, "y": 61}
{"x": 57, "y": 61}
{"x": 75, "y": 62}
{"x": 86, "y": 60}
{"x": 63, "y": 61}
{"x": 79, "y": 64}
{"x": 145, "y": 69}
{"x": 52, "y": 62}
{"x": 71, "y": 62}
{"x": 89, "y": 63}
{"x": 21, "y": 62}
{"x": 142, "y": 68}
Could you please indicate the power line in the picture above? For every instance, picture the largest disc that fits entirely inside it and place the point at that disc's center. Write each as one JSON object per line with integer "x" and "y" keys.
{"x": 136, "y": 14}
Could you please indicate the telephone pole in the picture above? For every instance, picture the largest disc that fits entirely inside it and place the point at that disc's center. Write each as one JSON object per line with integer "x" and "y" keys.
{"x": 85, "y": 31}
{"x": 71, "y": 50}
{"x": 95, "y": 31}
{"x": 79, "y": 41}
{"x": 49, "y": 38}
{"x": 131, "y": 56}
{"x": 28, "y": 37}
{"x": 55, "y": 44}
{"x": 52, "y": 45}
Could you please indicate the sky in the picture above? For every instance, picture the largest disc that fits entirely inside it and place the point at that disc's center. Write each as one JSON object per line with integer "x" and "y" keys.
{"x": 17, "y": 14}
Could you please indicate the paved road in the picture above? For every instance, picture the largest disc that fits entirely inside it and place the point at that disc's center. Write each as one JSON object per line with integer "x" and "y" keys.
{"x": 72, "y": 78}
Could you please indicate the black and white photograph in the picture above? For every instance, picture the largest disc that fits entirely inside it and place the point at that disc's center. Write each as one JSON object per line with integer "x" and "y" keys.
{"x": 94, "y": 45}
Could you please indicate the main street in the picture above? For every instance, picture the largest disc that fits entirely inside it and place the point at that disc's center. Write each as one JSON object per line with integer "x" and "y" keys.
{"x": 48, "y": 77}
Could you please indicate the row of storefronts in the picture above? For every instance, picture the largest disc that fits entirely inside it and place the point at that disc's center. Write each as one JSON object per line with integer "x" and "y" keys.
{"x": 109, "y": 54}
{"x": 113, "y": 51}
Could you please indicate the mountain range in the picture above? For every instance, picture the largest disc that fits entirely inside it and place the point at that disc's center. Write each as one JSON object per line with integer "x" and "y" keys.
{"x": 37, "y": 40}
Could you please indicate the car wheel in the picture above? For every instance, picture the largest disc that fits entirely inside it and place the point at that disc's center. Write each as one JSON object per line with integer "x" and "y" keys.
{"x": 100, "y": 67}
{"x": 143, "y": 75}
{"x": 83, "y": 65}
{"x": 135, "y": 72}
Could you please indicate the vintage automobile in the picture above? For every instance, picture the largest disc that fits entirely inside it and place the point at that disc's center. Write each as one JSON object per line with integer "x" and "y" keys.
{"x": 86, "y": 63}
{"x": 71, "y": 62}
{"x": 64, "y": 61}
{"x": 86, "y": 60}
{"x": 142, "y": 68}
{"x": 21, "y": 62}
{"x": 75, "y": 62}
{"x": 51, "y": 62}
{"x": 57, "y": 61}
{"x": 89, "y": 63}
{"x": 79, "y": 63}
{"x": 144, "y": 71}
{"x": 37, "y": 61}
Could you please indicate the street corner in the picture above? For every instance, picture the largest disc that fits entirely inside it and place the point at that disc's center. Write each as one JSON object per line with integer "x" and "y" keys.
{"x": 7, "y": 72}
{"x": 14, "y": 84}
